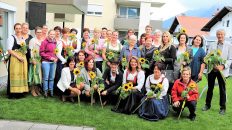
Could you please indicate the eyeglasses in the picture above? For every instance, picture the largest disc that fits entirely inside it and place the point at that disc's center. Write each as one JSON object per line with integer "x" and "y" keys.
{"x": 38, "y": 32}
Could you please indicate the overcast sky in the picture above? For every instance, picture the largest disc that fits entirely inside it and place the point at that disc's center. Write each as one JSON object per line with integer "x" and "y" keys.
{"x": 175, "y": 7}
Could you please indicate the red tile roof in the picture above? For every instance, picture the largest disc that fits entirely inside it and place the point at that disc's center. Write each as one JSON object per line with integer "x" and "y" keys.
{"x": 193, "y": 25}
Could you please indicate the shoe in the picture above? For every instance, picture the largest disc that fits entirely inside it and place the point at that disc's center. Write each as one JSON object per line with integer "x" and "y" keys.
{"x": 104, "y": 103}
{"x": 205, "y": 108}
{"x": 72, "y": 99}
{"x": 45, "y": 95}
{"x": 63, "y": 98}
{"x": 222, "y": 111}
{"x": 192, "y": 118}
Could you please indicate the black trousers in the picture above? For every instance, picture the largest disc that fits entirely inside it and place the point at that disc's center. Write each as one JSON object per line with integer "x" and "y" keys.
{"x": 191, "y": 106}
{"x": 99, "y": 65}
{"x": 222, "y": 89}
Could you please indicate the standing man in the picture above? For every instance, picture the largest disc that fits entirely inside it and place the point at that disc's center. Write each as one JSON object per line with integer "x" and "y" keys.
{"x": 225, "y": 48}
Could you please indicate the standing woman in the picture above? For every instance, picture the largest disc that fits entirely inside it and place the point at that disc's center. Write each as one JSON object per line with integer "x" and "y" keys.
{"x": 147, "y": 53}
{"x": 125, "y": 41}
{"x": 44, "y": 31}
{"x": 80, "y": 59}
{"x": 35, "y": 73}
{"x": 94, "y": 48}
{"x": 157, "y": 106}
{"x": 198, "y": 53}
{"x": 17, "y": 82}
{"x": 168, "y": 51}
{"x": 111, "y": 46}
{"x": 49, "y": 59}
{"x": 136, "y": 76}
{"x": 85, "y": 38}
{"x": 142, "y": 41}
{"x": 27, "y": 37}
{"x": 181, "y": 48}
{"x": 131, "y": 49}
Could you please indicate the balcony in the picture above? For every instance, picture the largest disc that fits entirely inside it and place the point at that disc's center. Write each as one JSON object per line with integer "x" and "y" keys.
{"x": 123, "y": 23}
{"x": 136, "y": 3}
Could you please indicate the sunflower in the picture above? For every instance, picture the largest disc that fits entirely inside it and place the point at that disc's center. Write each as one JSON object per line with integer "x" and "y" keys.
{"x": 183, "y": 30}
{"x": 71, "y": 48}
{"x": 156, "y": 52}
{"x": 160, "y": 86}
{"x": 76, "y": 71}
{"x": 92, "y": 74}
{"x": 71, "y": 35}
{"x": 83, "y": 44}
{"x": 124, "y": 59}
{"x": 125, "y": 87}
{"x": 130, "y": 85}
{"x": 35, "y": 51}
{"x": 22, "y": 44}
{"x": 111, "y": 53}
{"x": 93, "y": 41}
{"x": 81, "y": 64}
{"x": 186, "y": 54}
{"x": 1, "y": 51}
{"x": 192, "y": 85}
{"x": 142, "y": 60}
{"x": 219, "y": 52}
{"x": 56, "y": 51}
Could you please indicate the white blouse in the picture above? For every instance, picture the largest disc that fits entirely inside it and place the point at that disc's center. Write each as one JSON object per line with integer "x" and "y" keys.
{"x": 150, "y": 79}
{"x": 10, "y": 41}
{"x": 140, "y": 78}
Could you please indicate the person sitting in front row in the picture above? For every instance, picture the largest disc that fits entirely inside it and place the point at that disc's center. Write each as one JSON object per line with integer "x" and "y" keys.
{"x": 112, "y": 80}
{"x": 67, "y": 84}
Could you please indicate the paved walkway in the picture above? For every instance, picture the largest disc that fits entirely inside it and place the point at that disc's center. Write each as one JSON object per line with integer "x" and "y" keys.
{"x": 24, "y": 125}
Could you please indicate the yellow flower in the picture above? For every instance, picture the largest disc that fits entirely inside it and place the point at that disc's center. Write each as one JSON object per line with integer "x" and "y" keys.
{"x": 124, "y": 59}
{"x": 93, "y": 41}
{"x": 92, "y": 74}
{"x": 35, "y": 51}
{"x": 219, "y": 52}
{"x": 71, "y": 48}
{"x": 125, "y": 87}
{"x": 142, "y": 60}
{"x": 83, "y": 44}
{"x": 111, "y": 53}
{"x": 156, "y": 52}
{"x": 183, "y": 30}
{"x": 1, "y": 51}
{"x": 56, "y": 51}
{"x": 130, "y": 85}
{"x": 192, "y": 85}
{"x": 22, "y": 44}
{"x": 81, "y": 64}
{"x": 160, "y": 86}
{"x": 186, "y": 54}
{"x": 76, "y": 71}
{"x": 71, "y": 35}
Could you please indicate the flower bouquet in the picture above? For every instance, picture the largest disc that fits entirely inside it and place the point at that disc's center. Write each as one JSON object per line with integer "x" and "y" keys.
{"x": 69, "y": 51}
{"x": 23, "y": 48}
{"x": 184, "y": 58}
{"x": 96, "y": 80}
{"x": 184, "y": 94}
{"x": 73, "y": 38}
{"x": 35, "y": 58}
{"x": 2, "y": 54}
{"x": 79, "y": 79}
{"x": 157, "y": 57}
{"x": 144, "y": 63}
{"x": 124, "y": 91}
{"x": 124, "y": 63}
{"x": 213, "y": 59}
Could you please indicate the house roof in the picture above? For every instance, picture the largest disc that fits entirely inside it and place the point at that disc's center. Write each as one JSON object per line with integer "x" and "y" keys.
{"x": 216, "y": 18}
{"x": 192, "y": 25}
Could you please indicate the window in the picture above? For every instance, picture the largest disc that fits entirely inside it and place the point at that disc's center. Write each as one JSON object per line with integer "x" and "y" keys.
{"x": 227, "y": 23}
{"x": 95, "y": 10}
{"x": 129, "y": 12}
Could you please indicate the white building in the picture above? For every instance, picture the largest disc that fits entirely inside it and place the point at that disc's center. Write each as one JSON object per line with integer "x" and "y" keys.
{"x": 222, "y": 20}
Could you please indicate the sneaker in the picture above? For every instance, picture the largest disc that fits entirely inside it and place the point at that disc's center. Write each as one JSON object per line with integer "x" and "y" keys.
{"x": 205, "y": 108}
{"x": 222, "y": 111}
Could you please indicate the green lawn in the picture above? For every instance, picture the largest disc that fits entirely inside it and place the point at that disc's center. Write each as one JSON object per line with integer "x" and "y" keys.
{"x": 51, "y": 110}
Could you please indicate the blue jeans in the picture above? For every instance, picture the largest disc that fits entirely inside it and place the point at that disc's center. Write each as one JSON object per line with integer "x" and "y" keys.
{"x": 49, "y": 69}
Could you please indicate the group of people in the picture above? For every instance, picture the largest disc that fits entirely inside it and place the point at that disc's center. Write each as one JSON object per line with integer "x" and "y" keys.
{"x": 60, "y": 63}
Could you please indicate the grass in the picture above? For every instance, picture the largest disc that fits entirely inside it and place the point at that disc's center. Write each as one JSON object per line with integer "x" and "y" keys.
{"x": 52, "y": 110}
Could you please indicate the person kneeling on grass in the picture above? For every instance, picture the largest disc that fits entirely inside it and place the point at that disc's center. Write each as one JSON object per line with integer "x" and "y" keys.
{"x": 112, "y": 80}
{"x": 185, "y": 93}
{"x": 67, "y": 84}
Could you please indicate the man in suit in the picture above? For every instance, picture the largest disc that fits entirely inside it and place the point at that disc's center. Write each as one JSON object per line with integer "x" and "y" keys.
{"x": 225, "y": 48}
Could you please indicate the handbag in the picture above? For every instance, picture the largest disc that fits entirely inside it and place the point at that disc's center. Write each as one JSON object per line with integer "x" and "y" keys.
{"x": 169, "y": 74}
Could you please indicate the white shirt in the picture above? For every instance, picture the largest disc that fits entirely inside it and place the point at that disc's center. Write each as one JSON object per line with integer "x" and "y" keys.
{"x": 10, "y": 41}
{"x": 150, "y": 79}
